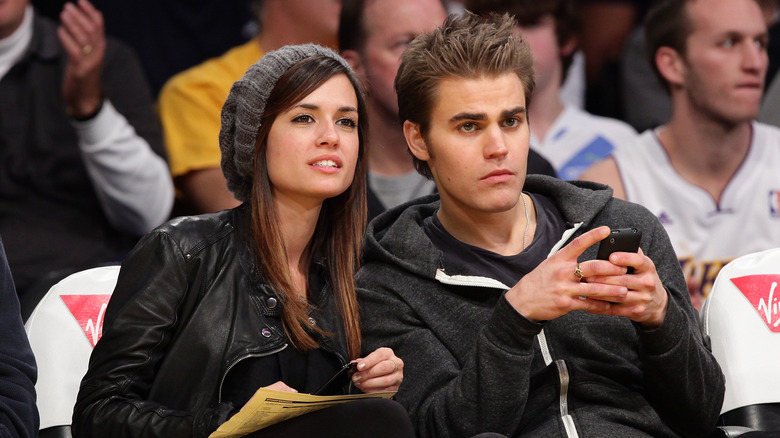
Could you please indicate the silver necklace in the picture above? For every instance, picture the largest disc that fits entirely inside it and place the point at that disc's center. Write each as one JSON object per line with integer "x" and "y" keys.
{"x": 527, "y": 219}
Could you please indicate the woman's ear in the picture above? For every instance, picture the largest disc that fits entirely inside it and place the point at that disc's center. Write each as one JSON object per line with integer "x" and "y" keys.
{"x": 415, "y": 140}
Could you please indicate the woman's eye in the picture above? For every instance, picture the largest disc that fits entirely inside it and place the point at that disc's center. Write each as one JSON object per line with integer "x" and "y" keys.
{"x": 349, "y": 123}
{"x": 303, "y": 118}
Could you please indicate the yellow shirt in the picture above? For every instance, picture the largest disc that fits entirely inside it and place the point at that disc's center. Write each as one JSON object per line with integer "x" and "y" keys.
{"x": 190, "y": 107}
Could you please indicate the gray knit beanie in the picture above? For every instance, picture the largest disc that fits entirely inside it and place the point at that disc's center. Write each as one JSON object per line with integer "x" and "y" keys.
{"x": 244, "y": 107}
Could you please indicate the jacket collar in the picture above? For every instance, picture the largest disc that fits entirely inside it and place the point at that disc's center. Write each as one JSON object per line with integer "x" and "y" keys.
{"x": 396, "y": 237}
{"x": 45, "y": 44}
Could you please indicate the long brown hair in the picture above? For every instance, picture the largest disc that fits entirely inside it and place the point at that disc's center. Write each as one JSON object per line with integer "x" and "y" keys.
{"x": 341, "y": 223}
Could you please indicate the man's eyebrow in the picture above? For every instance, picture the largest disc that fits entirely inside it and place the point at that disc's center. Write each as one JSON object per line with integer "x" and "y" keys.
{"x": 468, "y": 116}
{"x": 513, "y": 112}
{"x": 482, "y": 116}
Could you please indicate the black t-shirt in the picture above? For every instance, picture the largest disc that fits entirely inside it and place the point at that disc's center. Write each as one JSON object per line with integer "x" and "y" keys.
{"x": 550, "y": 226}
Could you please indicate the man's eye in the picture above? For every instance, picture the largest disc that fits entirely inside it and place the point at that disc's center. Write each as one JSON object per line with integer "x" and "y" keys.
{"x": 512, "y": 122}
{"x": 727, "y": 44}
{"x": 468, "y": 127}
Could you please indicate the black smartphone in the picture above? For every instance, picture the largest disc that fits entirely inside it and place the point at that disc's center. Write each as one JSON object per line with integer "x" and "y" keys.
{"x": 336, "y": 384}
{"x": 620, "y": 240}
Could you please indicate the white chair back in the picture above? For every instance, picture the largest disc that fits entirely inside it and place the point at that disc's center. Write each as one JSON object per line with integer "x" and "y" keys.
{"x": 63, "y": 329}
{"x": 742, "y": 318}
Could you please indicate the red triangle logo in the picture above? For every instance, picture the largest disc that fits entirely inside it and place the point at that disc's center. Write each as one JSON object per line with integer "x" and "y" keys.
{"x": 764, "y": 294}
{"x": 88, "y": 311}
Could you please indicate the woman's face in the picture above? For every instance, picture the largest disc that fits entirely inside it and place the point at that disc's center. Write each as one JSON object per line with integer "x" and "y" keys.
{"x": 312, "y": 148}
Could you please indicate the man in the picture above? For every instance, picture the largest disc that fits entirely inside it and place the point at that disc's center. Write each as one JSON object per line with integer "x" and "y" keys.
{"x": 190, "y": 103}
{"x": 82, "y": 172}
{"x": 480, "y": 293}
{"x": 710, "y": 174}
{"x": 570, "y": 138}
{"x": 18, "y": 412}
{"x": 372, "y": 36}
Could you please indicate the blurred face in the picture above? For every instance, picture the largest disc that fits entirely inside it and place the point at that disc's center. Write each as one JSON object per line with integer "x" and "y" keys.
{"x": 318, "y": 19}
{"x": 312, "y": 148}
{"x": 390, "y": 27}
{"x": 11, "y": 15}
{"x": 477, "y": 144}
{"x": 726, "y": 60}
{"x": 543, "y": 42}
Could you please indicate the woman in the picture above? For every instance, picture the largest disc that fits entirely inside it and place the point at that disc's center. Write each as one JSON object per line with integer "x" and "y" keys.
{"x": 209, "y": 308}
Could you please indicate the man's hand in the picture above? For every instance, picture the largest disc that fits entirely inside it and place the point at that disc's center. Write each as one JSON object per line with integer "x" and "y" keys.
{"x": 552, "y": 289}
{"x": 83, "y": 37}
{"x": 647, "y": 300}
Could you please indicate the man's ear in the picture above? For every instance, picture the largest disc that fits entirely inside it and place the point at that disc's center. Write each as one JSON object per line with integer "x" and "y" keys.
{"x": 353, "y": 58}
{"x": 415, "y": 140}
{"x": 569, "y": 47}
{"x": 670, "y": 64}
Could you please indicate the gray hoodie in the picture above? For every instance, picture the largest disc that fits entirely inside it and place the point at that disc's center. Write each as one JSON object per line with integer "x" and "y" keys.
{"x": 473, "y": 364}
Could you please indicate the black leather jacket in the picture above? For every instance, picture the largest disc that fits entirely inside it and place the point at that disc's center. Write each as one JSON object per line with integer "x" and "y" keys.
{"x": 188, "y": 306}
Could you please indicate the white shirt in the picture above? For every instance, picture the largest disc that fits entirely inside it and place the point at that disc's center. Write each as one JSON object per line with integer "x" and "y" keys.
{"x": 578, "y": 139}
{"x": 707, "y": 235}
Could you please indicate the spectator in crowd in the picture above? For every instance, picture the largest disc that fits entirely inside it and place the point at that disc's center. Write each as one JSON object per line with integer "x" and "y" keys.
{"x": 648, "y": 105}
{"x": 82, "y": 172}
{"x": 190, "y": 102}
{"x": 209, "y": 308}
{"x": 570, "y": 138}
{"x": 18, "y": 412}
{"x": 490, "y": 291}
{"x": 372, "y": 36}
{"x": 710, "y": 173}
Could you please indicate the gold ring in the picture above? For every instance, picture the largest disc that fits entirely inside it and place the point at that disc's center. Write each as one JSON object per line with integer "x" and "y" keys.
{"x": 86, "y": 50}
{"x": 578, "y": 273}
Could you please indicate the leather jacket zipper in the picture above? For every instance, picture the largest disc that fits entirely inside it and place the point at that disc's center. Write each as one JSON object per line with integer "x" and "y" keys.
{"x": 239, "y": 359}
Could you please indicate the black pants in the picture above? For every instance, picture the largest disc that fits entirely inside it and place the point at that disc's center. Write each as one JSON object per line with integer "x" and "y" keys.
{"x": 366, "y": 418}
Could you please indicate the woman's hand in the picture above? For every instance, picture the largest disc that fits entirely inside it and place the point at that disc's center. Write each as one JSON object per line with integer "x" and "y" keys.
{"x": 380, "y": 371}
{"x": 280, "y": 386}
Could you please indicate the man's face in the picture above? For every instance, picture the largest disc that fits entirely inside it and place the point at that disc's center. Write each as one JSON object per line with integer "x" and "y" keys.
{"x": 390, "y": 27}
{"x": 726, "y": 60}
{"x": 543, "y": 42}
{"x": 477, "y": 143}
{"x": 320, "y": 18}
{"x": 11, "y": 15}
